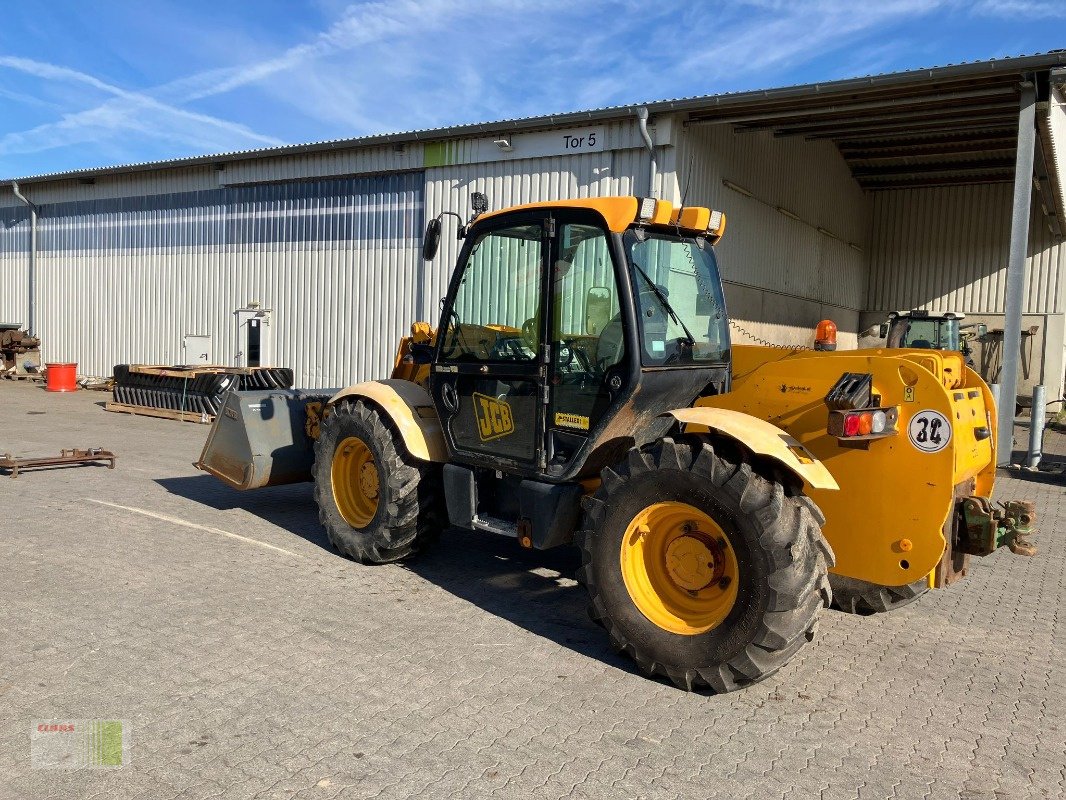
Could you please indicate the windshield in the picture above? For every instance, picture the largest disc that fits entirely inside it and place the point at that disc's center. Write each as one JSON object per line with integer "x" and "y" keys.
{"x": 679, "y": 299}
{"x": 932, "y": 334}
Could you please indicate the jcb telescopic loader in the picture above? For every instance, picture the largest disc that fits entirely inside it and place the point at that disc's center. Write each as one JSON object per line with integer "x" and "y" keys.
{"x": 581, "y": 388}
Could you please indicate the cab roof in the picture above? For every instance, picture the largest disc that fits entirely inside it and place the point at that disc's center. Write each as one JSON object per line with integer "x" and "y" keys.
{"x": 620, "y": 212}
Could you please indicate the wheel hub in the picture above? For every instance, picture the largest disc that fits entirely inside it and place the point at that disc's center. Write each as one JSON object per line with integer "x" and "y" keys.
{"x": 368, "y": 479}
{"x": 679, "y": 568}
{"x": 356, "y": 482}
{"x": 690, "y": 562}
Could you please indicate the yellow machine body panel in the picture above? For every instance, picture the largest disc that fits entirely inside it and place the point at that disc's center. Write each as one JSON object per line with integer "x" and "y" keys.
{"x": 411, "y": 410}
{"x": 618, "y": 212}
{"x": 887, "y": 522}
{"x": 760, "y": 437}
{"x": 621, "y": 212}
{"x": 404, "y": 366}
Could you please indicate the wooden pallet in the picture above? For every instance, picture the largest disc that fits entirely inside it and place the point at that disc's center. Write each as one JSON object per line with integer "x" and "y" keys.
{"x": 162, "y": 413}
{"x": 26, "y": 377}
{"x": 188, "y": 372}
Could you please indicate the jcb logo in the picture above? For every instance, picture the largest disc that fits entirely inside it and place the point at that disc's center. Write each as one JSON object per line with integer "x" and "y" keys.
{"x": 494, "y": 419}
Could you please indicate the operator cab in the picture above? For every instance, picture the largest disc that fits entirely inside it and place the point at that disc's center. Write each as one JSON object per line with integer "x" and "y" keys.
{"x": 926, "y": 330}
{"x": 568, "y": 328}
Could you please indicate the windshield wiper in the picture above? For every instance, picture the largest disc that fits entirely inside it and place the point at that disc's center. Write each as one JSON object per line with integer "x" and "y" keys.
{"x": 666, "y": 305}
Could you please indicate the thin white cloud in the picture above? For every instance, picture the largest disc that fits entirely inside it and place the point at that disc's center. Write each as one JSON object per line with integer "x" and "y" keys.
{"x": 390, "y": 65}
{"x": 126, "y": 111}
{"x": 1015, "y": 8}
{"x": 360, "y": 25}
{"x": 794, "y": 32}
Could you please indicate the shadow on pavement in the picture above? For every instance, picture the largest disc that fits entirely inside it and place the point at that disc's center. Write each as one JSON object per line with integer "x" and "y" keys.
{"x": 532, "y": 589}
{"x": 1049, "y": 473}
{"x": 291, "y": 507}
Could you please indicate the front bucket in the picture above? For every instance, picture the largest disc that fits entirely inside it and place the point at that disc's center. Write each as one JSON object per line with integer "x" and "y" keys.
{"x": 259, "y": 438}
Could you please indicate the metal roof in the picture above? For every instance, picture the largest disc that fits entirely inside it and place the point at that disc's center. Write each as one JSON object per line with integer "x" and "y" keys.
{"x": 944, "y": 128}
{"x": 941, "y": 125}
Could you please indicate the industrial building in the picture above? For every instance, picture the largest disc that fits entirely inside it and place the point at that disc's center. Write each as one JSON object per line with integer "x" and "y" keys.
{"x": 845, "y": 200}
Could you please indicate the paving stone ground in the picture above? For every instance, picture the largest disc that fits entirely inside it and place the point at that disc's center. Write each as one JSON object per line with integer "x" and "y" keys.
{"x": 250, "y": 660}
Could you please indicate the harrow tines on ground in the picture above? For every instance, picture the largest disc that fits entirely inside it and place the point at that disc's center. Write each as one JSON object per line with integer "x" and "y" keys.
{"x": 200, "y": 390}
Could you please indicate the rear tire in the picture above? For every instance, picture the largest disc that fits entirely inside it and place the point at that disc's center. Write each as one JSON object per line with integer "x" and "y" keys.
{"x": 854, "y": 596}
{"x": 774, "y": 543}
{"x": 376, "y": 501}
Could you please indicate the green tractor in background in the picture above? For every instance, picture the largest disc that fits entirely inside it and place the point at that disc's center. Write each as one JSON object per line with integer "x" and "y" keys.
{"x": 932, "y": 331}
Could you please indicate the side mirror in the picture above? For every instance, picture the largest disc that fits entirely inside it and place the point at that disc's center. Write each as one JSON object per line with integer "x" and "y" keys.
{"x": 882, "y": 330}
{"x": 431, "y": 241}
{"x": 982, "y": 330}
{"x": 422, "y": 353}
{"x": 597, "y": 309}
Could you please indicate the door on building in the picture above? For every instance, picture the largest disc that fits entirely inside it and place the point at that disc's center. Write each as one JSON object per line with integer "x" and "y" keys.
{"x": 196, "y": 349}
{"x": 253, "y": 337}
{"x": 254, "y": 347}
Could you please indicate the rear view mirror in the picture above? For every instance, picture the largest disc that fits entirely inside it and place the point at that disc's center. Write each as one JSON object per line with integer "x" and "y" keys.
{"x": 431, "y": 241}
{"x": 882, "y": 330}
{"x": 597, "y": 309}
{"x": 982, "y": 330}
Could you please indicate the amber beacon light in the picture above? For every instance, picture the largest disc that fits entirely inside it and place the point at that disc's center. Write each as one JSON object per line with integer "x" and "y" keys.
{"x": 825, "y": 335}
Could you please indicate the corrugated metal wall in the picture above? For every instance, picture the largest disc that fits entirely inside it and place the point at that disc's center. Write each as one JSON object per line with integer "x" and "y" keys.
{"x": 946, "y": 249}
{"x": 304, "y": 166}
{"x": 14, "y": 260}
{"x": 782, "y": 273}
{"x": 1056, "y": 129}
{"x": 512, "y": 182}
{"x": 134, "y": 184}
{"x": 125, "y": 278}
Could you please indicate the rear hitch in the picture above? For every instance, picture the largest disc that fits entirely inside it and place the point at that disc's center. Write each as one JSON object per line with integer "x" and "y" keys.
{"x": 987, "y": 527}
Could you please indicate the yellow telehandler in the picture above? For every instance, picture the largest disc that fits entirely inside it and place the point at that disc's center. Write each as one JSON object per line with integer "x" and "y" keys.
{"x": 581, "y": 388}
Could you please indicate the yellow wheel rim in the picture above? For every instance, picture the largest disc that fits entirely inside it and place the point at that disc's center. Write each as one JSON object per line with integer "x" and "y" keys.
{"x": 356, "y": 483}
{"x": 679, "y": 568}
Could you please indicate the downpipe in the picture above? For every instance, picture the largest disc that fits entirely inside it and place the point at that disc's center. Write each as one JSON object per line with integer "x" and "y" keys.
{"x": 642, "y": 121}
{"x": 31, "y": 322}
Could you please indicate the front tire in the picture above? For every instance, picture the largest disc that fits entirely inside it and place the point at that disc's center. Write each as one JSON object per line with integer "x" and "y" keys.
{"x": 701, "y": 570}
{"x": 376, "y": 501}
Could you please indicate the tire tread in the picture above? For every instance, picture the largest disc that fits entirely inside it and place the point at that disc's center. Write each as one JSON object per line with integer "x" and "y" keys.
{"x": 413, "y": 509}
{"x": 791, "y": 534}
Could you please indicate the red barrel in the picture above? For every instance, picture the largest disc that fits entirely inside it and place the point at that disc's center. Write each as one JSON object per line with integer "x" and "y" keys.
{"x": 62, "y": 377}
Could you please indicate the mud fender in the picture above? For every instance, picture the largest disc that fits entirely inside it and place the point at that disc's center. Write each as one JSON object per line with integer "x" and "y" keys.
{"x": 761, "y": 437}
{"x": 411, "y": 410}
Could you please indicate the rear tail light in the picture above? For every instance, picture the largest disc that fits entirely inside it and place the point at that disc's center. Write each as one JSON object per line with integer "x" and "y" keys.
{"x": 862, "y": 424}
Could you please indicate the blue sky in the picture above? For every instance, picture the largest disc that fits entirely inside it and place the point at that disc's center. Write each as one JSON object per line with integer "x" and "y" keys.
{"x": 86, "y": 84}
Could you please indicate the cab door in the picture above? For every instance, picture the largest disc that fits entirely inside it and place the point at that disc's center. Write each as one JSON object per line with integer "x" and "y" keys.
{"x": 489, "y": 376}
{"x": 588, "y": 367}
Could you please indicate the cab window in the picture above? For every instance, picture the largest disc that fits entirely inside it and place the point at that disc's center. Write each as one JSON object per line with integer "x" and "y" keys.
{"x": 586, "y": 331}
{"x": 680, "y": 307}
{"x": 496, "y": 312}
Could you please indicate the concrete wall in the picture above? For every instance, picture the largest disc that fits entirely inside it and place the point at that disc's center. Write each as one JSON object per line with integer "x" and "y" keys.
{"x": 794, "y": 250}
